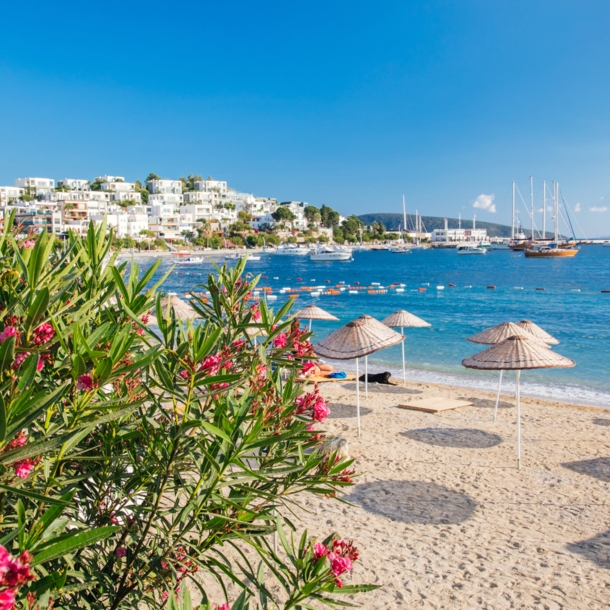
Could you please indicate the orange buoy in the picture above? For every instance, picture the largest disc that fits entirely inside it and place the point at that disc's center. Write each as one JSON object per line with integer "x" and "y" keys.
{"x": 421, "y": 290}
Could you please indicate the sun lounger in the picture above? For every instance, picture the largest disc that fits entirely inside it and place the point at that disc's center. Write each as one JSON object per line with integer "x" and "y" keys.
{"x": 437, "y": 404}
{"x": 320, "y": 379}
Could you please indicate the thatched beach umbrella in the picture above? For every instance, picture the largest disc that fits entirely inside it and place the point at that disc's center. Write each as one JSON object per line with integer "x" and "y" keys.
{"x": 313, "y": 312}
{"x": 497, "y": 334}
{"x": 517, "y": 354}
{"x": 538, "y": 332}
{"x": 360, "y": 337}
{"x": 404, "y": 319}
{"x": 182, "y": 309}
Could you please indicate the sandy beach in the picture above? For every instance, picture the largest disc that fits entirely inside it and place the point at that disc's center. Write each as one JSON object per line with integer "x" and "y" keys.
{"x": 443, "y": 517}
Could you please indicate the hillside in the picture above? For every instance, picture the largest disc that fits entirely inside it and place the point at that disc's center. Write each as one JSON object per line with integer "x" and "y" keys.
{"x": 392, "y": 222}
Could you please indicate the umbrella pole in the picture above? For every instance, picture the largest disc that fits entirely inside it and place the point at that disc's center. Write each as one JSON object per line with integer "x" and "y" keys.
{"x": 357, "y": 397}
{"x": 498, "y": 396}
{"x": 518, "y": 422}
{"x": 404, "y": 374}
{"x": 366, "y": 377}
{"x": 310, "y": 321}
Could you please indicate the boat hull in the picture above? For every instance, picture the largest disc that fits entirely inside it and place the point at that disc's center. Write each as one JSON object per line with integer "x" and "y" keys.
{"x": 559, "y": 253}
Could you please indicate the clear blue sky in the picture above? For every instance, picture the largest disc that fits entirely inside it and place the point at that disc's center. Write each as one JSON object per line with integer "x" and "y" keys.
{"x": 350, "y": 104}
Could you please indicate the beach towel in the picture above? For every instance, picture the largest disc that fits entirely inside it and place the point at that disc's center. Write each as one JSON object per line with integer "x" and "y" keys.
{"x": 338, "y": 375}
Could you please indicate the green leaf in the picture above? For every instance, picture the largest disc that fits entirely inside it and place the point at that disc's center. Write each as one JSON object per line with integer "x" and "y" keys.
{"x": 216, "y": 431}
{"x": 38, "y": 308}
{"x": 2, "y": 419}
{"x": 7, "y": 353}
{"x": 103, "y": 370}
{"x": 27, "y": 372}
{"x": 74, "y": 543}
{"x": 33, "y": 496}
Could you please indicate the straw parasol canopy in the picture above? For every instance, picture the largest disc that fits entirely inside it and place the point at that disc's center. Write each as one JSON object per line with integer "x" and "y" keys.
{"x": 501, "y": 332}
{"x": 517, "y": 353}
{"x": 182, "y": 309}
{"x": 538, "y": 332}
{"x": 313, "y": 312}
{"x": 404, "y": 319}
{"x": 358, "y": 338}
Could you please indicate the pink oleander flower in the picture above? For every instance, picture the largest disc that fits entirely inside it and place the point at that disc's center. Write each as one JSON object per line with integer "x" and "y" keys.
{"x": 223, "y": 607}
{"x": 339, "y": 565}
{"x": 339, "y": 583}
{"x": 238, "y": 344}
{"x": 319, "y": 550}
{"x": 19, "y": 441}
{"x": 184, "y": 374}
{"x": 120, "y": 551}
{"x": 145, "y": 318}
{"x": 256, "y": 313}
{"x": 28, "y": 244}
{"x": 280, "y": 341}
{"x": 164, "y": 596}
{"x": 211, "y": 365}
{"x": 14, "y": 571}
{"x": 24, "y": 467}
{"x": 19, "y": 358}
{"x": 7, "y": 599}
{"x": 43, "y": 334}
{"x": 84, "y": 382}
{"x": 9, "y": 331}
{"x": 320, "y": 410}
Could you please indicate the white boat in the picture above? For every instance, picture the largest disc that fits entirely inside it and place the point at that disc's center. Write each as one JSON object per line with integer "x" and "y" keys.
{"x": 499, "y": 245}
{"x": 484, "y": 244}
{"x": 233, "y": 257}
{"x": 329, "y": 253}
{"x": 191, "y": 260}
{"x": 400, "y": 249}
{"x": 291, "y": 250}
{"x": 471, "y": 250}
{"x": 606, "y": 244}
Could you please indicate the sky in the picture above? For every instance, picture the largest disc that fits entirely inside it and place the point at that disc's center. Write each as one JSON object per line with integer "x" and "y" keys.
{"x": 348, "y": 104}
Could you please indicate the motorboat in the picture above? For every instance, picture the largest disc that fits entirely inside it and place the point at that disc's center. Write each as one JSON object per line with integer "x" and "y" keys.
{"x": 329, "y": 253}
{"x": 191, "y": 260}
{"x": 400, "y": 249}
{"x": 471, "y": 250}
{"x": 498, "y": 245}
{"x": 291, "y": 250}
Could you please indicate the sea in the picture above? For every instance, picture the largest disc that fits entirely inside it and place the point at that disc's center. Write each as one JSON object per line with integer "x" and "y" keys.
{"x": 563, "y": 296}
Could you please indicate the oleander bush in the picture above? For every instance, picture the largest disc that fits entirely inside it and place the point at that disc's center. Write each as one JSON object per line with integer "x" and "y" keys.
{"x": 143, "y": 457}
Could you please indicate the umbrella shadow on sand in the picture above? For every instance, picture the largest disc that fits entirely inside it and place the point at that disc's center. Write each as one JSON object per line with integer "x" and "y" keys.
{"x": 596, "y": 549}
{"x": 414, "y": 502}
{"x": 382, "y": 388}
{"x": 600, "y": 421}
{"x": 598, "y": 468}
{"x": 459, "y": 438}
{"x": 340, "y": 410}
{"x": 485, "y": 403}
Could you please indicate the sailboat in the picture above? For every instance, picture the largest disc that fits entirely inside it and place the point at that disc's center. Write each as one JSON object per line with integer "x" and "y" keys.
{"x": 553, "y": 249}
{"x": 404, "y": 249}
{"x": 418, "y": 231}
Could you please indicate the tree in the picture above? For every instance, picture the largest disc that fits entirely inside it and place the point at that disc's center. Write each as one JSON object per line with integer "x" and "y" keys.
{"x": 378, "y": 228}
{"x": 188, "y": 184}
{"x": 66, "y": 188}
{"x": 352, "y": 225}
{"x": 152, "y": 176}
{"x": 146, "y": 233}
{"x": 244, "y": 217}
{"x": 312, "y": 214}
{"x": 283, "y": 214}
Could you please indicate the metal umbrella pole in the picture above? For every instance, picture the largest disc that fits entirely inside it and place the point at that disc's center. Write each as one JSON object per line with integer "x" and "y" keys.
{"x": 357, "y": 397}
{"x": 498, "y": 395}
{"x": 518, "y": 422}
{"x": 404, "y": 374}
{"x": 366, "y": 377}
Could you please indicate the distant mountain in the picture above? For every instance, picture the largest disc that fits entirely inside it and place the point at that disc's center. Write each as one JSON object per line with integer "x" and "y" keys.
{"x": 392, "y": 222}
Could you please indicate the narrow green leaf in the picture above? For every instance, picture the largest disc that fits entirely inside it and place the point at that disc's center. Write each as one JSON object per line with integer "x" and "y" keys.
{"x": 38, "y": 307}
{"x": 7, "y": 353}
{"x": 74, "y": 543}
{"x": 33, "y": 496}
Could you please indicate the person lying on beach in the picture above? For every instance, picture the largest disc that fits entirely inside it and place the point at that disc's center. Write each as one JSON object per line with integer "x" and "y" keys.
{"x": 317, "y": 368}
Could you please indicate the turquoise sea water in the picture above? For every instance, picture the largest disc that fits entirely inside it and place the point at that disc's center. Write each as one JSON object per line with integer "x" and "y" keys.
{"x": 572, "y": 308}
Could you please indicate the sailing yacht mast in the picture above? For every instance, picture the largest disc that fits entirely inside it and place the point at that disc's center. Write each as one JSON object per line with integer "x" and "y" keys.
{"x": 556, "y": 197}
{"x": 404, "y": 212}
{"x": 544, "y": 209}
{"x": 513, "y": 223}
{"x": 532, "y": 203}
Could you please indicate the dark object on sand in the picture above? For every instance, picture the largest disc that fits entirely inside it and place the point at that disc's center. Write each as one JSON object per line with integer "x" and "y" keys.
{"x": 378, "y": 378}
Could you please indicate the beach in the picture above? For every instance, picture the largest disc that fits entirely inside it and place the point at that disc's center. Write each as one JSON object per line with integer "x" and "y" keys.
{"x": 444, "y": 519}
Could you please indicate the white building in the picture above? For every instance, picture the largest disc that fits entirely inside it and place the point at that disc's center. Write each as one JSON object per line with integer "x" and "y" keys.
{"x": 9, "y": 194}
{"x": 74, "y": 184}
{"x": 297, "y": 208}
{"x": 172, "y": 199}
{"x": 209, "y": 186}
{"x": 198, "y": 211}
{"x": 165, "y": 187}
{"x": 36, "y": 186}
{"x": 454, "y": 236}
{"x": 109, "y": 179}
{"x": 262, "y": 221}
{"x": 118, "y": 186}
{"x": 126, "y": 196}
